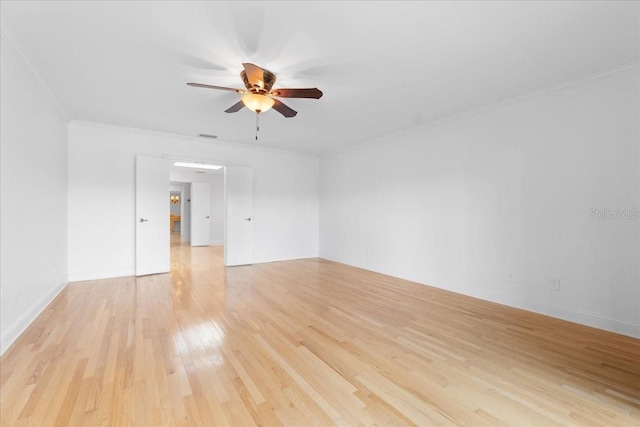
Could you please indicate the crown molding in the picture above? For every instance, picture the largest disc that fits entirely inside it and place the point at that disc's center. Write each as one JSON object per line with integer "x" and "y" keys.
{"x": 515, "y": 99}
{"x": 7, "y": 35}
{"x": 190, "y": 138}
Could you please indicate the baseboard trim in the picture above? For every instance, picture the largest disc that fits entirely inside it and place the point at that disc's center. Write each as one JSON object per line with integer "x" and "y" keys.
{"x": 22, "y": 323}
{"x": 83, "y": 277}
{"x": 264, "y": 260}
{"x": 579, "y": 317}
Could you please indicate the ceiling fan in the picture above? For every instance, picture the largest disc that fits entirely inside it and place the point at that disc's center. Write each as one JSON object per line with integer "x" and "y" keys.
{"x": 259, "y": 95}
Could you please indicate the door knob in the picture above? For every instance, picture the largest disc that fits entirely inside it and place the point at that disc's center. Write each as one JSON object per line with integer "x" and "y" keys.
{"x": 207, "y": 217}
{"x": 247, "y": 219}
{"x": 143, "y": 220}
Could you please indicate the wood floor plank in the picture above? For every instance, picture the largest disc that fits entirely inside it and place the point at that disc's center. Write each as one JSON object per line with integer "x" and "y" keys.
{"x": 306, "y": 342}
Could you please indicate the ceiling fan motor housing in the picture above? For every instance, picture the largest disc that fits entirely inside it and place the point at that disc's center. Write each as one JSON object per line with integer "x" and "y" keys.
{"x": 261, "y": 87}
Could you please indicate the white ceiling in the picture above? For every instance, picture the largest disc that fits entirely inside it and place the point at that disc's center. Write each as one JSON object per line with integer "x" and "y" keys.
{"x": 383, "y": 66}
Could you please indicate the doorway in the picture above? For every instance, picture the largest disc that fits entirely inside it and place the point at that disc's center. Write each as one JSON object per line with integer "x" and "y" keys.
{"x": 225, "y": 186}
{"x": 175, "y": 211}
{"x": 202, "y": 206}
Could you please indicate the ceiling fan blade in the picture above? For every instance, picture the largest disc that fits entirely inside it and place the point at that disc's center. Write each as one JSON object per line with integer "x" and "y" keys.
{"x": 235, "y": 107}
{"x": 314, "y": 93}
{"x": 283, "y": 109}
{"x": 255, "y": 74}
{"x": 217, "y": 87}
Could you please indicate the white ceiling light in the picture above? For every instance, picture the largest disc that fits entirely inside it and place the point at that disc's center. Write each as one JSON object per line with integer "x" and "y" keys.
{"x": 197, "y": 165}
{"x": 257, "y": 102}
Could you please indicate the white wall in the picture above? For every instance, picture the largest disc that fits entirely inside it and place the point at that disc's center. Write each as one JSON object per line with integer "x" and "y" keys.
{"x": 102, "y": 196}
{"x": 497, "y": 204}
{"x": 33, "y": 135}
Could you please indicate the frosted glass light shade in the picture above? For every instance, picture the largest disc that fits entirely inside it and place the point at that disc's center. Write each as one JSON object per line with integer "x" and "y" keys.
{"x": 257, "y": 103}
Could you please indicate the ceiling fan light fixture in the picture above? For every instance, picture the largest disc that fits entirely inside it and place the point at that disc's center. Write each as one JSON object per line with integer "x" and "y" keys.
{"x": 257, "y": 103}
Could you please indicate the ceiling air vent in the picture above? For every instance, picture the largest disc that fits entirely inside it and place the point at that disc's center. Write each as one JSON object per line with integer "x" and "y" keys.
{"x": 206, "y": 135}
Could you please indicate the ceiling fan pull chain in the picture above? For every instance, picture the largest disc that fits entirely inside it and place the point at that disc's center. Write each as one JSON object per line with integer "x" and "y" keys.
{"x": 257, "y": 124}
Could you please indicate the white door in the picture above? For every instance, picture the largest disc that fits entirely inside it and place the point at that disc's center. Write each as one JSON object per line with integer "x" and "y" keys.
{"x": 200, "y": 214}
{"x": 152, "y": 215}
{"x": 238, "y": 231}
{"x": 185, "y": 220}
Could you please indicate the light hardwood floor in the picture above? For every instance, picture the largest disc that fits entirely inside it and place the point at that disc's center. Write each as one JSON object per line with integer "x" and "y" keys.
{"x": 302, "y": 343}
